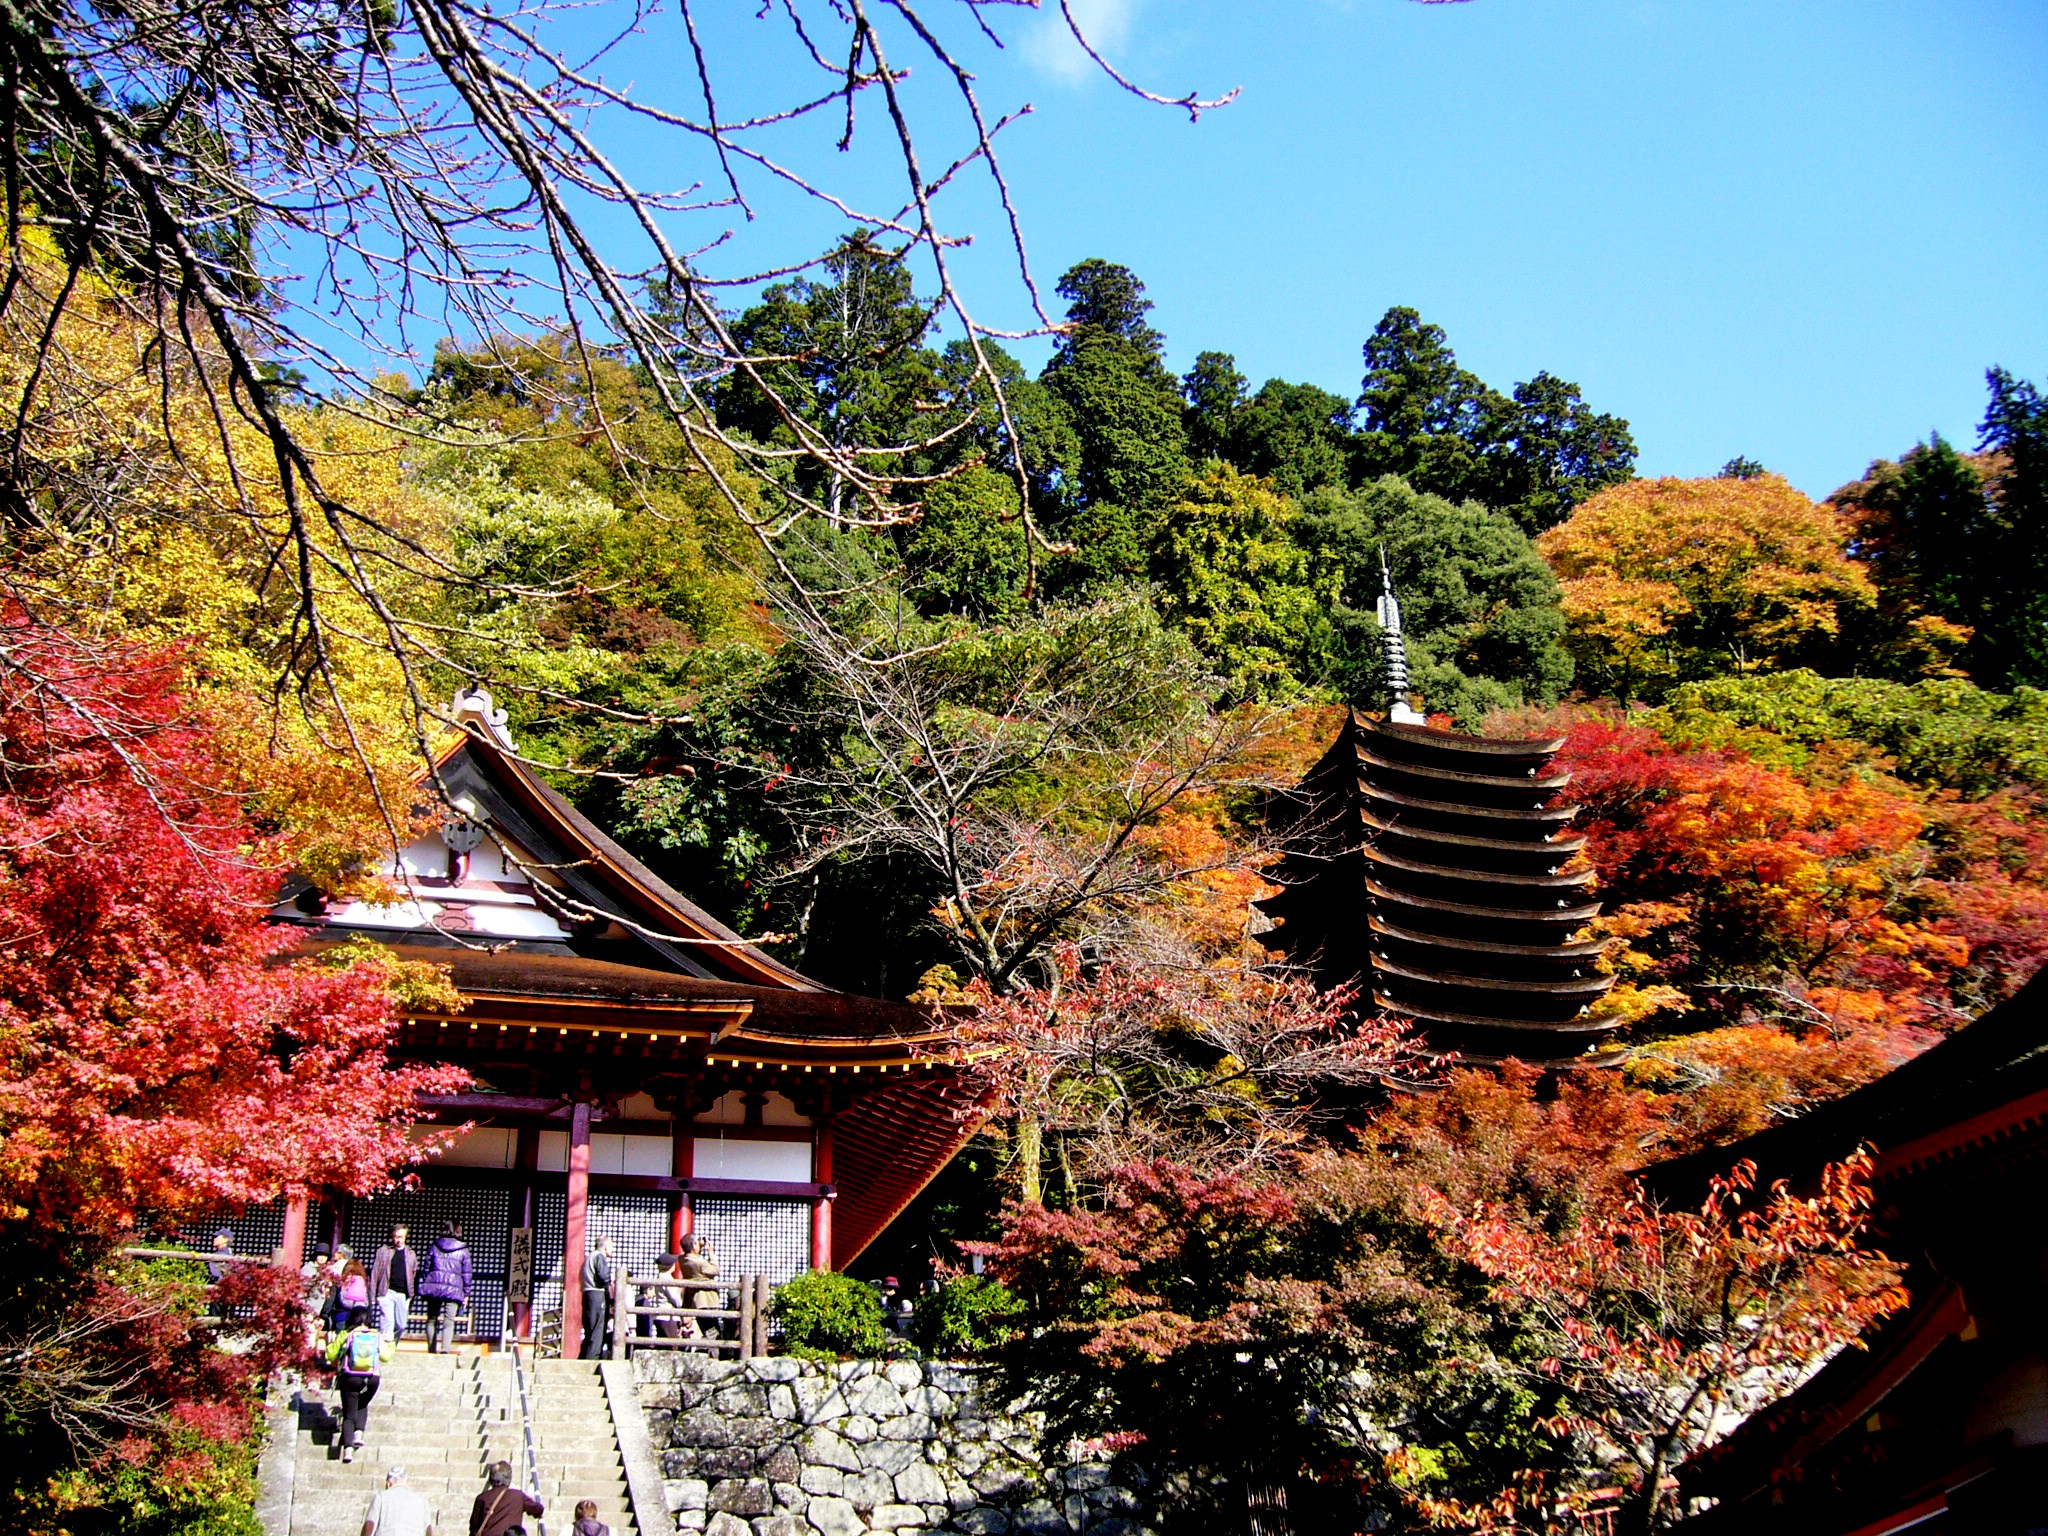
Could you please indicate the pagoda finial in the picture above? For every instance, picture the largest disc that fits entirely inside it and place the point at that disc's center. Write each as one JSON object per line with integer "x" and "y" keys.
{"x": 1399, "y": 710}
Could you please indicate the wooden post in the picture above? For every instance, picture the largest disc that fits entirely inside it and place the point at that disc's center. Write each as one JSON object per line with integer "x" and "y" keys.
{"x": 291, "y": 1253}
{"x": 746, "y": 1290}
{"x": 576, "y": 1229}
{"x": 764, "y": 1293}
{"x": 821, "y": 1208}
{"x": 682, "y": 1162}
{"x": 622, "y": 1317}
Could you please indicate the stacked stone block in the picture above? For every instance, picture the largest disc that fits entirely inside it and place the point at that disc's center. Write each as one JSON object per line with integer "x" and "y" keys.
{"x": 780, "y": 1447}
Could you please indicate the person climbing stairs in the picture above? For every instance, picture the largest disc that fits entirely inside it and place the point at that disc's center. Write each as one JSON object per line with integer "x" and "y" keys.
{"x": 445, "y": 1419}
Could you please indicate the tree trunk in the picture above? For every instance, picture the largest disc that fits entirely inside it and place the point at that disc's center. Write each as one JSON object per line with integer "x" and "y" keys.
{"x": 1639, "y": 1514}
{"x": 1030, "y": 1153}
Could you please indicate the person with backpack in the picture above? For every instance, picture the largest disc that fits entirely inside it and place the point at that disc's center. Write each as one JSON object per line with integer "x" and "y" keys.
{"x": 445, "y": 1287}
{"x": 351, "y": 1296}
{"x": 358, "y": 1358}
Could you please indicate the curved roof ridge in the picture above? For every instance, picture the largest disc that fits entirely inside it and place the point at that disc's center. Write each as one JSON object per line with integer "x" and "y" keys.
{"x": 734, "y": 951}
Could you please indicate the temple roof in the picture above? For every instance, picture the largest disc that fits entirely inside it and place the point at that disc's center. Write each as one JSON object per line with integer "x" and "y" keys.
{"x": 1916, "y": 1424}
{"x": 538, "y": 877}
{"x": 1982, "y": 1090}
{"x": 582, "y": 971}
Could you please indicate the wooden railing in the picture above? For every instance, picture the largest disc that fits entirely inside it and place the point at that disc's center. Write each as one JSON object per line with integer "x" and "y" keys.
{"x": 749, "y": 1314}
{"x": 198, "y": 1257}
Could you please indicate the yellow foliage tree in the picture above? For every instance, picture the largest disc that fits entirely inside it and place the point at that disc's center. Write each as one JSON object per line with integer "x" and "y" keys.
{"x": 1664, "y": 580}
{"x": 139, "y": 520}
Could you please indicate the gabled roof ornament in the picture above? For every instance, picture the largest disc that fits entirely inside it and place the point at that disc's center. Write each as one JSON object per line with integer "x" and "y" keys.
{"x": 1399, "y": 710}
{"x": 473, "y": 707}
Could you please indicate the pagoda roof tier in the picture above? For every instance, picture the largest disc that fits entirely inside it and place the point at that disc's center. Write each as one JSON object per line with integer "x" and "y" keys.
{"x": 1577, "y": 952}
{"x": 1489, "y": 877}
{"x": 1565, "y": 986}
{"x": 1483, "y": 916}
{"x": 1532, "y": 783}
{"x": 1427, "y": 1016}
{"x": 1504, "y": 816}
{"x": 1556, "y": 849}
{"x": 1428, "y": 737}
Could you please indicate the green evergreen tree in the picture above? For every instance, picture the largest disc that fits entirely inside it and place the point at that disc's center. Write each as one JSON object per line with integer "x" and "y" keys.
{"x": 1123, "y": 411}
{"x": 1481, "y": 608}
{"x": 852, "y": 362}
{"x": 2010, "y": 597}
{"x": 1534, "y": 454}
{"x": 1959, "y": 536}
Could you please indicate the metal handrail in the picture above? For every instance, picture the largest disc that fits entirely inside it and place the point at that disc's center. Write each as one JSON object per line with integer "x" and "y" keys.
{"x": 540, "y": 1524}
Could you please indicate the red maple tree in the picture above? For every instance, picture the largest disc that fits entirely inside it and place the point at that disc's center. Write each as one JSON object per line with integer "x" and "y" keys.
{"x": 160, "y": 1054}
{"x": 1664, "y": 1327}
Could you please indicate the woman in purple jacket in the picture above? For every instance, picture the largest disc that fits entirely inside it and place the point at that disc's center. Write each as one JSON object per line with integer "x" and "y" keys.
{"x": 445, "y": 1287}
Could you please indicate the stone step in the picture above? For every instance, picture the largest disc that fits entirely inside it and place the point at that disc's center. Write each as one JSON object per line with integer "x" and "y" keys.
{"x": 344, "y": 1479}
{"x": 342, "y": 1511}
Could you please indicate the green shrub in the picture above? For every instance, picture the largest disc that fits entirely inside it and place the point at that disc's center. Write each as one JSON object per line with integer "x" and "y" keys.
{"x": 824, "y": 1315}
{"x": 966, "y": 1316}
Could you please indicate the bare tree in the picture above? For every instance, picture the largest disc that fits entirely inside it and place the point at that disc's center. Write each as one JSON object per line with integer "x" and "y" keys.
{"x": 1024, "y": 765}
{"x": 1221, "y": 1071}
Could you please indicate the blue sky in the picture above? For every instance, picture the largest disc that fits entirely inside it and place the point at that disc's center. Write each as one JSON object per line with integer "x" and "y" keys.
{"x": 1795, "y": 231}
{"x": 1798, "y": 230}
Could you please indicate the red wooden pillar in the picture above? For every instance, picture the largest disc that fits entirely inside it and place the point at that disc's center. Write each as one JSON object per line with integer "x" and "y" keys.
{"x": 291, "y": 1253}
{"x": 682, "y": 1163}
{"x": 575, "y": 1228}
{"x": 821, "y": 1208}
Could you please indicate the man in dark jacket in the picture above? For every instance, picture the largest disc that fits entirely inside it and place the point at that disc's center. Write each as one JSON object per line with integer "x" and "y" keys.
{"x": 501, "y": 1509}
{"x": 393, "y": 1280}
{"x": 445, "y": 1286}
{"x": 597, "y": 1295}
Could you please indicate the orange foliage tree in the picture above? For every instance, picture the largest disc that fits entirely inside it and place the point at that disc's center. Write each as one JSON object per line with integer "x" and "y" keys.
{"x": 1660, "y": 1325}
{"x": 1669, "y": 579}
{"x": 1810, "y": 930}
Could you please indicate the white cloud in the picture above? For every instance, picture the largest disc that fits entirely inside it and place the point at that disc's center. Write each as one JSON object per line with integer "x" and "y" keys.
{"x": 1051, "y": 47}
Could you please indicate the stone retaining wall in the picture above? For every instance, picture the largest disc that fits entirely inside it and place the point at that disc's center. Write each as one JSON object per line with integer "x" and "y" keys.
{"x": 780, "y": 1447}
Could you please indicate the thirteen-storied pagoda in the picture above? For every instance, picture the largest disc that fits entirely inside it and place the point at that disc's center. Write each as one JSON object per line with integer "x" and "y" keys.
{"x": 1433, "y": 871}
{"x": 641, "y": 1069}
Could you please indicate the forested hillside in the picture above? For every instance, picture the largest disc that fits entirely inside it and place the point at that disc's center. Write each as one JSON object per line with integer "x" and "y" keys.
{"x": 1007, "y": 744}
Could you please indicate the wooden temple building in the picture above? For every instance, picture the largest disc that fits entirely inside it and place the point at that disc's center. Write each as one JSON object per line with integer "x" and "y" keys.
{"x": 640, "y": 1069}
{"x": 1435, "y": 872}
{"x": 1940, "y": 1425}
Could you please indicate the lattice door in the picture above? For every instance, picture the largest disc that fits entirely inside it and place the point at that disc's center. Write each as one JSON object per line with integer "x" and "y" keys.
{"x": 550, "y": 1232}
{"x": 485, "y": 1216}
{"x": 755, "y": 1237}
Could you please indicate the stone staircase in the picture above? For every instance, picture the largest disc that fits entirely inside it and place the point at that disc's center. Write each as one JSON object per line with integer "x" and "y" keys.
{"x": 444, "y": 1419}
{"x": 576, "y": 1446}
